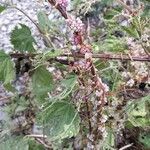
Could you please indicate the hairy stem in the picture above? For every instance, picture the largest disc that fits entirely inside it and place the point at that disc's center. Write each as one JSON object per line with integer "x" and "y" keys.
{"x": 96, "y": 56}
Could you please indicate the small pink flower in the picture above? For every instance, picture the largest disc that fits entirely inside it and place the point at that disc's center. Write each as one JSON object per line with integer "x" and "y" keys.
{"x": 98, "y": 93}
{"x": 75, "y": 24}
{"x": 88, "y": 55}
{"x": 63, "y": 3}
{"x": 85, "y": 49}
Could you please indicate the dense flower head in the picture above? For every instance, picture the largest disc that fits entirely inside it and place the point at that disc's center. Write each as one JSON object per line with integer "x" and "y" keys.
{"x": 82, "y": 65}
{"x": 63, "y": 3}
{"x": 85, "y": 49}
{"x": 75, "y": 24}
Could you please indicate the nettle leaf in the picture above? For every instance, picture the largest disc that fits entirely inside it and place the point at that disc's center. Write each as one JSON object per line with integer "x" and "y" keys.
{"x": 109, "y": 141}
{"x": 20, "y": 103}
{"x": 138, "y": 112}
{"x": 42, "y": 83}
{"x": 20, "y": 143}
{"x": 68, "y": 85}
{"x": 106, "y": 2}
{"x": 3, "y": 55}
{"x": 111, "y": 13}
{"x": 2, "y": 8}
{"x": 113, "y": 44}
{"x": 61, "y": 121}
{"x": 144, "y": 138}
{"x": 44, "y": 22}
{"x": 14, "y": 144}
{"x": 69, "y": 81}
{"x": 33, "y": 145}
{"x": 22, "y": 39}
{"x": 7, "y": 70}
{"x": 131, "y": 31}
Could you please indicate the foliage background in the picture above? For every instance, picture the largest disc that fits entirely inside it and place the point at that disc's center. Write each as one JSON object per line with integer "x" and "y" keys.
{"x": 44, "y": 103}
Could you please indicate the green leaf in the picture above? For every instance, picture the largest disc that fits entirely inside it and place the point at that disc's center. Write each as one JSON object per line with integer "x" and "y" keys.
{"x": 3, "y": 55}
{"x": 107, "y": 2}
{"x": 42, "y": 83}
{"x": 144, "y": 138}
{"x": 61, "y": 121}
{"x": 138, "y": 112}
{"x": 68, "y": 85}
{"x": 19, "y": 143}
{"x": 34, "y": 145}
{"x": 69, "y": 81}
{"x": 131, "y": 31}
{"x": 113, "y": 44}
{"x": 111, "y": 13}
{"x": 14, "y": 144}
{"x": 145, "y": 1}
{"x": 109, "y": 141}
{"x": 22, "y": 39}
{"x": 2, "y": 8}
{"x": 7, "y": 71}
{"x": 21, "y": 104}
{"x": 44, "y": 22}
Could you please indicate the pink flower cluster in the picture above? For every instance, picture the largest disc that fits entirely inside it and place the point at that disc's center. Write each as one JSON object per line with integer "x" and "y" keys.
{"x": 63, "y": 3}
{"x": 75, "y": 24}
{"x": 85, "y": 49}
{"x": 82, "y": 65}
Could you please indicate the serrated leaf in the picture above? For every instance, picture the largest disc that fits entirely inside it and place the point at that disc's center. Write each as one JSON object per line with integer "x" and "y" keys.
{"x": 7, "y": 70}
{"x": 109, "y": 141}
{"x": 19, "y": 143}
{"x": 68, "y": 85}
{"x": 138, "y": 113}
{"x": 3, "y": 55}
{"x": 106, "y": 2}
{"x": 22, "y": 39}
{"x": 14, "y": 144}
{"x": 144, "y": 138}
{"x": 69, "y": 81}
{"x": 33, "y": 145}
{"x": 2, "y": 8}
{"x": 42, "y": 83}
{"x": 110, "y": 14}
{"x": 61, "y": 121}
{"x": 131, "y": 31}
{"x": 21, "y": 104}
{"x": 113, "y": 44}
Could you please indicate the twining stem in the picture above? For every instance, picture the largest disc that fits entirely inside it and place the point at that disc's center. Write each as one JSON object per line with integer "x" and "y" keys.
{"x": 88, "y": 116}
